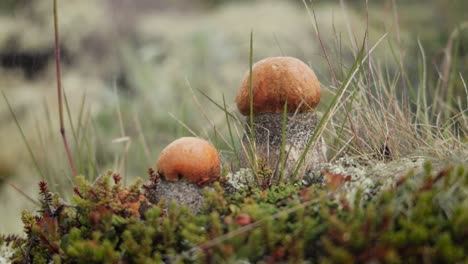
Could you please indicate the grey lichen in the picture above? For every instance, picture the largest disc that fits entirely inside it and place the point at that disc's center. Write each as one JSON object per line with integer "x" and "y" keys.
{"x": 268, "y": 141}
{"x": 6, "y": 252}
{"x": 369, "y": 176}
{"x": 240, "y": 179}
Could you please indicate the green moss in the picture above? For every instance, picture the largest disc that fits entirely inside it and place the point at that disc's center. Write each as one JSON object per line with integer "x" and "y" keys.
{"x": 109, "y": 223}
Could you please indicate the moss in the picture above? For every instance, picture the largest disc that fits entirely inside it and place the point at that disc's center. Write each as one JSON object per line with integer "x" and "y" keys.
{"x": 109, "y": 223}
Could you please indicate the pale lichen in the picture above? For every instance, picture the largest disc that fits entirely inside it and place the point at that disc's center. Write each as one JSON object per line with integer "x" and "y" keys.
{"x": 6, "y": 253}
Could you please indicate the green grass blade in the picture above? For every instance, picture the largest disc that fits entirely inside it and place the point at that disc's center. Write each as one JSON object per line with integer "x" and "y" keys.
{"x": 321, "y": 125}
{"x": 28, "y": 146}
{"x": 74, "y": 132}
{"x": 230, "y": 132}
{"x": 451, "y": 82}
{"x": 252, "y": 134}
{"x": 283, "y": 140}
{"x": 340, "y": 133}
{"x": 251, "y": 116}
{"x": 80, "y": 116}
{"x": 215, "y": 103}
{"x": 183, "y": 124}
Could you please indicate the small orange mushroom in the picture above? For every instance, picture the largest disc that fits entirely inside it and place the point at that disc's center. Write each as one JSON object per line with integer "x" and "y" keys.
{"x": 192, "y": 159}
{"x": 276, "y": 80}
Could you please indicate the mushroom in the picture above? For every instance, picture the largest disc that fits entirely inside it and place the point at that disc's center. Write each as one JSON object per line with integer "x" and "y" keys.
{"x": 275, "y": 81}
{"x": 189, "y": 158}
{"x": 185, "y": 165}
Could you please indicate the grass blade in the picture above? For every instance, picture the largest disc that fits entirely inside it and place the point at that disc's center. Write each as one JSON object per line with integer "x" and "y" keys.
{"x": 205, "y": 115}
{"x": 354, "y": 69}
{"x": 183, "y": 125}
{"x": 214, "y": 102}
{"x": 230, "y": 132}
{"x": 283, "y": 140}
{"x": 74, "y": 133}
{"x": 28, "y": 146}
{"x": 252, "y": 133}
{"x": 142, "y": 138}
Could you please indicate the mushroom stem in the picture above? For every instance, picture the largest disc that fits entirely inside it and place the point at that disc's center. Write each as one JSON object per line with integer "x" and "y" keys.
{"x": 184, "y": 193}
{"x": 268, "y": 142}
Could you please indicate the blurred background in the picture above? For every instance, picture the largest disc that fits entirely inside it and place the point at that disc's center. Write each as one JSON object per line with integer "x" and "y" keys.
{"x": 138, "y": 74}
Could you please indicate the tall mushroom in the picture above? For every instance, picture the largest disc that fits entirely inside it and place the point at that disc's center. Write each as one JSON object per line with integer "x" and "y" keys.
{"x": 185, "y": 165}
{"x": 275, "y": 81}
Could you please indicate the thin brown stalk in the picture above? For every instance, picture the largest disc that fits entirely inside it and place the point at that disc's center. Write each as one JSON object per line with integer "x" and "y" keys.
{"x": 59, "y": 91}
{"x": 32, "y": 200}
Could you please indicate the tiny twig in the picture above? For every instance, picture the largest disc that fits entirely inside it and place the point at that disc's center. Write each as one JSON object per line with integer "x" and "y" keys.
{"x": 23, "y": 193}
{"x": 59, "y": 91}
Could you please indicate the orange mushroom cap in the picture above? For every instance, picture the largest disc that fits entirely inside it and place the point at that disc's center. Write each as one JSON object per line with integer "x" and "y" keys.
{"x": 189, "y": 158}
{"x": 275, "y": 81}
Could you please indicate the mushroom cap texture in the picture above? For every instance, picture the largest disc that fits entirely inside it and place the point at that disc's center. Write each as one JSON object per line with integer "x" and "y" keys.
{"x": 275, "y": 81}
{"x": 189, "y": 158}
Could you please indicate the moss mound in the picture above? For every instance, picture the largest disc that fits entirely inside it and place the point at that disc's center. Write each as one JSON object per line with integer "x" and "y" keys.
{"x": 422, "y": 217}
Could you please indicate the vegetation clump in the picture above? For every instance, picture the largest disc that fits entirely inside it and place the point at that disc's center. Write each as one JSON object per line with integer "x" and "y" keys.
{"x": 422, "y": 217}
